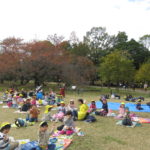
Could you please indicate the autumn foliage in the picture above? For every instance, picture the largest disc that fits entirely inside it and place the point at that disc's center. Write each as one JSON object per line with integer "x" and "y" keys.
{"x": 42, "y": 61}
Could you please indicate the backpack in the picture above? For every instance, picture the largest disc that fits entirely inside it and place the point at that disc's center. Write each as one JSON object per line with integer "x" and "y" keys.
{"x": 20, "y": 122}
{"x": 90, "y": 119}
{"x": 127, "y": 122}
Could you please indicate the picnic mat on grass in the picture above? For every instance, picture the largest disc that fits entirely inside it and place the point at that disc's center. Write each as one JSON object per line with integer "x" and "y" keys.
{"x": 141, "y": 120}
{"x": 132, "y": 107}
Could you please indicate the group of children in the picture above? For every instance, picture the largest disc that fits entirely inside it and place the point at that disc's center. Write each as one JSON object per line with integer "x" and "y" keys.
{"x": 66, "y": 114}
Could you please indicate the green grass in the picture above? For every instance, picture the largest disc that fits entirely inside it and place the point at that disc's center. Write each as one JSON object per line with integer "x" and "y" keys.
{"x": 101, "y": 135}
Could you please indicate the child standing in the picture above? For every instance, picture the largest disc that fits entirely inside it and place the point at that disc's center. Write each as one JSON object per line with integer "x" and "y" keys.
{"x": 5, "y": 142}
{"x": 44, "y": 135}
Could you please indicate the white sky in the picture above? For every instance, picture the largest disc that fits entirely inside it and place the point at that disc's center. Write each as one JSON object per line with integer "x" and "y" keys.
{"x": 31, "y": 19}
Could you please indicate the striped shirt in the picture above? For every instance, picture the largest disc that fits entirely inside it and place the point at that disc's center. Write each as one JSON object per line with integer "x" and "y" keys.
{"x": 3, "y": 143}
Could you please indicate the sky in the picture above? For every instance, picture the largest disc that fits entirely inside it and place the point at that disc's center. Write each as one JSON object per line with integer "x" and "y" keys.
{"x": 36, "y": 19}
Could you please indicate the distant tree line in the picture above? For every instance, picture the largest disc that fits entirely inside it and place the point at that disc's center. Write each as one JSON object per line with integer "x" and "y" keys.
{"x": 109, "y": 59}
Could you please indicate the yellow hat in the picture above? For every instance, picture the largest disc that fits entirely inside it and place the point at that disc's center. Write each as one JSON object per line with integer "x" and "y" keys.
{"x": 43, "y": 122}
{"x": 123, "y": 103}
{"x": 4, "y": 124}
{"x": 20, "y": 95}
{"x": 47, "y": 108}
{"x": 62, "y": 102}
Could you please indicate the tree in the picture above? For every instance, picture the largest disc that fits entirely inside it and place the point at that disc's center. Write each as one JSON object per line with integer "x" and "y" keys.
{"x": 139, "y": 54}
{"x": 145, "y": 40}
{"x": 116, "y": 68}
{"x": 79, "y": 70}
{"x": 98, "y": 40}
{"x": 73, "y": 38}
{"x": 120, "y": 41}
{"x": 80, "y": 49}
{"x": 55, "y": 39}
{"x": 143, "y": 74}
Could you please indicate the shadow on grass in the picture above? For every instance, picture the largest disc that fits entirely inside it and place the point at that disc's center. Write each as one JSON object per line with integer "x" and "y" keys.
{"x": 108, "y": 139}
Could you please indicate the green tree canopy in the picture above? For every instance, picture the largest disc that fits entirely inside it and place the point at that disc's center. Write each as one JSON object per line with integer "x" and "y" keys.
{"x": 143, "y": 74}
{"x": 145, "y": 40}
{"x": 116, "y": 68}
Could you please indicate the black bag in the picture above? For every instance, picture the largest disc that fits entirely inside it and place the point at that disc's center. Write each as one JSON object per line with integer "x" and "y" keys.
{"x": 60, "y": 127}
{"x": 127, "y": 122}
{"x": 97, "y": 113}
{"x": 90, "y": 119}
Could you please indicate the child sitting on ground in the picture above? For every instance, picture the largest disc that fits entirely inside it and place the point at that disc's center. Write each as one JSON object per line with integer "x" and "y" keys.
{"x": 71, "y": 107}
{"x": 61, "y": 112}
{"x": 33, "y": 101}
{"x": 69, "y": 126}
{"x": 92, "y": 107}
{"x": 34, "y": 113}
{"x": 5, "y": 142}
{"x": 14, "y": 102}
{"x": 62, "y": 108}
{"x": 44, "y": 135}
{"x": 26, "y": 105}
{"x": 127, "y": 119}
{"x": 47, "y": 114}
{"x": 121, "y": 111}
{"x": 138, "y": 105}
{"x": 59, "y": 99}
{"x": 104, "y": 110}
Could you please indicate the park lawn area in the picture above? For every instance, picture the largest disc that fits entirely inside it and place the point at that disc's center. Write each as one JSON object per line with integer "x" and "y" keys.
{"x": 101, "y": 135}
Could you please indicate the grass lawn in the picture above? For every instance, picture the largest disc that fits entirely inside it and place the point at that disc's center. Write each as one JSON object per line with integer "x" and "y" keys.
{"x": 101, "y": 135}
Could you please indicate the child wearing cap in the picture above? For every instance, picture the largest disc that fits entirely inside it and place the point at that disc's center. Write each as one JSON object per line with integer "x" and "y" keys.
{"x": 47, "y": 114}
{"x": 62, "y": 108}
{"x": 44, "y": 135}
{"x": 61, "y": 112}
{"x": 121, "y": 111}
{"x": 127, "y": 119}
{"x": 5, "y": 142}
{"x": 138, "y": 105}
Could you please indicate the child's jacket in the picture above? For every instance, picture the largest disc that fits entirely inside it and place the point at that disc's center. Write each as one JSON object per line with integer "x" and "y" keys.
{"x": 3, "y": 144}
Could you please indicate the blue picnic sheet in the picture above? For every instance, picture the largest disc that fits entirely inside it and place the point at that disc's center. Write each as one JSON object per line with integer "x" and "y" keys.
{"x": 132, "y": 107}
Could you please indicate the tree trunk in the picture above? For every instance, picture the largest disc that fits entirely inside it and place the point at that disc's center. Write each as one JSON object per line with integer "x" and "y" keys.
{"x": 2, "y": 81}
